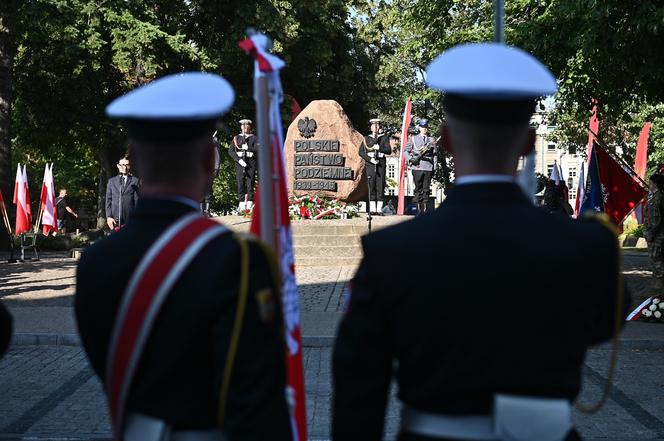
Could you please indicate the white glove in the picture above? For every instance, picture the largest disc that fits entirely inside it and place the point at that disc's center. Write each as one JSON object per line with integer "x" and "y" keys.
{"x": 372, "y": 154}
{"x": 240, "y": 154}
{"x": 374, "y": 161}
{"x": 250, "y": 154}
{"x": 245, "y": 146}
{"x": 242, "y": 163}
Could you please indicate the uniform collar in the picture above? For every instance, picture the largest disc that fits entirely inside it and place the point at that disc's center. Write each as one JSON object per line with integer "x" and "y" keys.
{"x": 248, "y": 135}
{"x": 484, "y": 179}
{"x": 165, "y": 206}
{"x": 489, "y": 192}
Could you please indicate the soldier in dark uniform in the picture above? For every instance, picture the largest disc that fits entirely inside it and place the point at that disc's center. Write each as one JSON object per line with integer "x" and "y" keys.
{"x": 483, "y": 335}
{"x": 376, "y": 145}
{"x": 213, "y": 363}
{"x": 243, "y": 151}
{"x": 207, "y": 199}
{"x": 421, "y": 153}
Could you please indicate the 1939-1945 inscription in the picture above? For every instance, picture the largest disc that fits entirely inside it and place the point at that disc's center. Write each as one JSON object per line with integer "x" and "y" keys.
{"x": 316, "y": 185}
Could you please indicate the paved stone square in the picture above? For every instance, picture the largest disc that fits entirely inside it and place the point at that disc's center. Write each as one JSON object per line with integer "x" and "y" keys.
{"x": 49, "y": 392}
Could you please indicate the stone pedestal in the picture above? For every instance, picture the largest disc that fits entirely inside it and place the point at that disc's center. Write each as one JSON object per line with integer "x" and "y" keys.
{"x": 322, "y": 154}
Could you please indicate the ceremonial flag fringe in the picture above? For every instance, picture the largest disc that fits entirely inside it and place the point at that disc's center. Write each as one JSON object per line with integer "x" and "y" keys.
{"x": 581, "y": 188}
{"x": 405, "y": 124}
{"x": 21, "y": 202}
{"x": 641, "y": 163}
{"x": 47, "y": 203}
{"x": 612, "y": 189}
{"x": 269, "y": 65}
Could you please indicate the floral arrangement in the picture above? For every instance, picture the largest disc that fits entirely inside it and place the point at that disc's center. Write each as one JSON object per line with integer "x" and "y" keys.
{"x": 654, "y": 310}
{"x": 315, "y": 207}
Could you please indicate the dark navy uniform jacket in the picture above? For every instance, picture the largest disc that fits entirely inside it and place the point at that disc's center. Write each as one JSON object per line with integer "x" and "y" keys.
{"x": 179, "y": 375}
{"x": 502, "y": 298}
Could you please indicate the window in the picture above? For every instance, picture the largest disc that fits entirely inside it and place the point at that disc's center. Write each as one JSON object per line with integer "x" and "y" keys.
{"x": 572, "y": 172}
{"x": 549, "y": 168}
{"x": 570, "y": 182}
{"x": 551, "y": 147}
{"x": 572, "y": 193}
{"x": 391, "y": 171}
{"x": 390, "y": 191}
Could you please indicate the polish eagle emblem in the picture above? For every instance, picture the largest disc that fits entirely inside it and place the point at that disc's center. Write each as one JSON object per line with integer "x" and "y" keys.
{"x": 307, "y": 127}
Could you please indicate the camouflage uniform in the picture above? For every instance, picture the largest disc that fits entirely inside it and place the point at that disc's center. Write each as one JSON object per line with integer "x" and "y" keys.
{"x": 654, "y": 233}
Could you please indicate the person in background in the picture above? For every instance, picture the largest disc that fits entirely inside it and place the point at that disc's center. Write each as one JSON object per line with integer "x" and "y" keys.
{"x": 121, "y": 195}
{"x": 63, "y": 210}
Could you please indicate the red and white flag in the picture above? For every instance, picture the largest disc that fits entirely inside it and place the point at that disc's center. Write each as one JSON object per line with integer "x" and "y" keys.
{"x": 47, "y": 202}
{"x": 593, "y": 127}
{"x": 641, "y": 163}
{"x": 405, "y": 124}
{"x": 27, "y": 195}
{"x": 620, "y": 191}
{"x": 581, "y": 190}
{"x": 21, "y": 200}
{"x": 269, "y": 65}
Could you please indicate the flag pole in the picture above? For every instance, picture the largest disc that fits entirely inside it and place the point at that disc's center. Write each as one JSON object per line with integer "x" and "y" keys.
{"x": 265, "y": 158}
{"x": 499, "y": 21}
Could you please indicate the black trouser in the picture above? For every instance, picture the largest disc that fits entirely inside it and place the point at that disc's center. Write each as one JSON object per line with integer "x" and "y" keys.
{"x": 245, "y": 179}
{"x": 403, "y": 436}
{"x": 376, "y": 179}
{"x": 422, "y": 179}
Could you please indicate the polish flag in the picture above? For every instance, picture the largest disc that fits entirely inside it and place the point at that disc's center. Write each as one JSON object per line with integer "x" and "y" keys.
{"x": 27, "y": 195}
{"x": 641, "y": 163}
{"x": 21, "y": 200}
{"x": 269, "y": 65}
{"x": 47, "y": 202}
{"x": 402, "y": 161}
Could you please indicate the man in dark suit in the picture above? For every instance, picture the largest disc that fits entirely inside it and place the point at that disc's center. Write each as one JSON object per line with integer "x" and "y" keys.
{"x": 244, "y": 152}
{"x": 212, "y": 361}
{"x": 121, "y": 195}
{"x": 484, "y": 334}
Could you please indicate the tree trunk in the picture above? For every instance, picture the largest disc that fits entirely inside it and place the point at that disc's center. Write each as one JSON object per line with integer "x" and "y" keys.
{"x": 7, "y": 11}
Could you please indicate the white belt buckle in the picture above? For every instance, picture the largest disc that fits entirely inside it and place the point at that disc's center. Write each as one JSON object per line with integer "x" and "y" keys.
{"x": 521, "y": 418}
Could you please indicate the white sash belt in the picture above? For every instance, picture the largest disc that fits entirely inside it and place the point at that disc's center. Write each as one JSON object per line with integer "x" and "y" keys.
{"x": 515, "y": 418}
{"x": 146, "y": 428}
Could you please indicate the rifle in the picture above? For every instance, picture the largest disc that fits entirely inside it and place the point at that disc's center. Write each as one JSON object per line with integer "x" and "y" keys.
{"x": 419, "y": 154}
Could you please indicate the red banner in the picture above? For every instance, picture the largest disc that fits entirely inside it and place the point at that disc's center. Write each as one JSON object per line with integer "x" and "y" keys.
{"x": 621, "y": 192}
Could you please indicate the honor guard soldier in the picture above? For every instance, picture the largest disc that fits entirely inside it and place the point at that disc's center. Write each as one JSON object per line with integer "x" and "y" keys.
{"x": 181, "y": 318}
{"x": 376, "y": 145}
{"x": 486, "y": 340}
{"x": 421, "y": 153}
{"x": 244, "y": 151}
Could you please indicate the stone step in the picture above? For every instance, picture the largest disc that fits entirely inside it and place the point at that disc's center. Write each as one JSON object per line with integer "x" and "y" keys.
{"x": 324, "y": 241}
{"x": 328, "y": 251}
{"x": 326, "y": 261}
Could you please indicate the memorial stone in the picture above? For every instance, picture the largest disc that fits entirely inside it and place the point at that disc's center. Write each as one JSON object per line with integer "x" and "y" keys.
{"x": 322, "y": 154}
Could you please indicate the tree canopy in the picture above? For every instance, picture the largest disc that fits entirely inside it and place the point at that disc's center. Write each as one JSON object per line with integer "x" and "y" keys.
{"x": 70, "y": 58}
